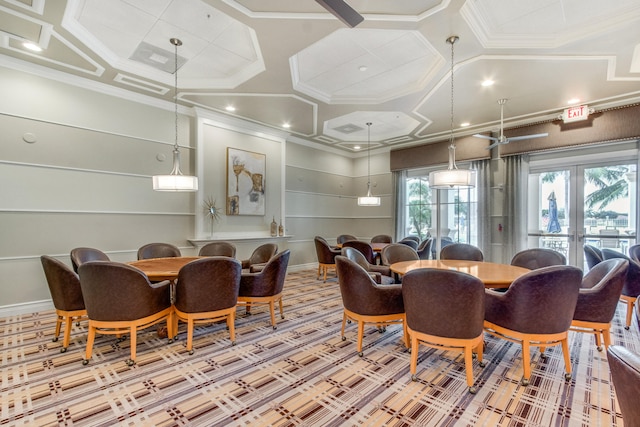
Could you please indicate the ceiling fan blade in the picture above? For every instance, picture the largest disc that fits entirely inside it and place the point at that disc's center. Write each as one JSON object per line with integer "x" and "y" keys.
{"x": 342, "y": 11}
{"x": 477, "y": 135}
{"x": 536, "y": 135}
{"x": 495, "y": 144}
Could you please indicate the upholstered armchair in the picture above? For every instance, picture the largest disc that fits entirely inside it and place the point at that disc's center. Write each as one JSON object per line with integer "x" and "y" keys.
{"x": 326, "y": 256}
{"x": 412, "y": 243}
{"x": 207, "y": 291}
{"x": 625, "y": 373}
{"x": 461, "y": 251}
{"x": 444, "y": 310}
{"x": 218, "y": 249}
{"x": 381, "y": 274}
{"x": 158, "y": 250}
{"x": 66, "y": 294}
{"x": 631, "y": 288}
{"x": 634, "y": 253}
{"x": 261, "y": 255}
{"x": 365, "y": 301}
{"x": 265, "y": 286}
{"x": 345, "y": 238}
{"x": 119, "y": 300}
{"x": 424, "y": 248}
{"x": 599, "y": 295}
{"x": 396, "y": 252}
{"x": 82, "y": 255}
{"x": 537, "y": 258}
{"x": 382, "y": 238}
{"x": 363, "y": 247}
{"x": 536, "y": 310}
{"x": 593, "y": 255}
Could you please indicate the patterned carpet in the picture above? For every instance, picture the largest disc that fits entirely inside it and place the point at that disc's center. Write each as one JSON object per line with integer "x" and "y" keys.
{"x": 302, "y": 374}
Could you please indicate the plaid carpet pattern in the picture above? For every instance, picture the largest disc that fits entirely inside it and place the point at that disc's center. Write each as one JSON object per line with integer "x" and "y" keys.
{"x": 301, "y": 374}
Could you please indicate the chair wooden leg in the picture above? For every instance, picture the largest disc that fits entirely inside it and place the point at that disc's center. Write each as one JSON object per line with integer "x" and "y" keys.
{"x": 67, "y": 332}
{"x": 468, "y": 365}
{"x": 89, "y": 349}
{"x": 319, "y": 270}
{"x": 606, "y": 334}
{"x": 598, "y": 342}
{"x": 272, "y": 312}
{"x": 58, "y": 327}
{"x": 344, "y": 323}
{"x": 526, "y": 362}
{"x": 630, "y": 304}
{"x": 567, "y": 356}
{"x": 281, "y": 308}
{"x": 190, "y": 335}
{"x": 231, "y": 324}
{"x": 325, "y": 273}
{"x": 134, "y": 341}
{"x": 414, "y": 356}
{"x": 480, "y": 351}
{"x": 360, "y": 336}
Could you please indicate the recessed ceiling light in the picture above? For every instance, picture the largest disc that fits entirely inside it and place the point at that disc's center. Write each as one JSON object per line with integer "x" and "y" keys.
{"x": 286, "y": 125}
{"x": 465, "y": 124}
{"x": 356, "y": 147}
{"x": 488, "y": 82}
{"x": 573, "y": 101}
{"x": 32, "y": 46}
{"x": 230, "y": 108}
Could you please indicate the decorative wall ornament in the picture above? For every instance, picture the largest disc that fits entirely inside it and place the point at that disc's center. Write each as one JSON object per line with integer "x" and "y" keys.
{"x": 245, "y": 182}
{"x": 212, "y": 211}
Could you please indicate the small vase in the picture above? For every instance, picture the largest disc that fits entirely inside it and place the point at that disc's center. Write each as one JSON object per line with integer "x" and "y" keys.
{"x": 280, "y": 230}
{"x": 274, "y": 228}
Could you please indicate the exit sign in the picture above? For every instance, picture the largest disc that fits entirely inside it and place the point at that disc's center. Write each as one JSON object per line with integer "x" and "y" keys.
{"x": 575, "y": 114}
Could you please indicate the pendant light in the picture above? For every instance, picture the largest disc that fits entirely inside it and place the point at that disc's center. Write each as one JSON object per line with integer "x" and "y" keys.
{"x": 369, "y": 200}
{"x": 175, "y": 181}
{"x": 452, "y": 177}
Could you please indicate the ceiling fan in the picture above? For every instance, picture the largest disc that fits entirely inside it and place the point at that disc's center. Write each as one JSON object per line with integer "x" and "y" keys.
{"x": 342, "y": 11}
{"x": 503, "y": 139}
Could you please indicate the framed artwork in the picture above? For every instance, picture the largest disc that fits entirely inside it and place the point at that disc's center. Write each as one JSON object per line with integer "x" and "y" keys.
{"x": 245, "y": 182}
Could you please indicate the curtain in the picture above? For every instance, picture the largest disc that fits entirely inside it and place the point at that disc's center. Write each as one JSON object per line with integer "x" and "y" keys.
{"x": 483, "y": 191}
{"x": 514, "y": 212}
{"x": 400, "y": 203}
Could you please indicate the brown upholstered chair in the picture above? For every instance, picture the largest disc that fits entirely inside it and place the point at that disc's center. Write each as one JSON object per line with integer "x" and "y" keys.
{"x": 382, "y": 238}
{"x": 536, "y": 310}
{"x": 120, "y": 299}
{"x": 631, "y": 288}
{"x": 326, "y": 256}
{"x": 363, "y": 247}
{"x": 207, "y": 291}
{"x": 261, "y": 255}
{"x": 265, "y": 286}
{"x": 345, "y": 238}
{"x": 537, "y": 258}
{"x": 218, "y": 249}
{"x": 444, "y": 310}
{"x": 365, "y": 301}
{"x": 462, "y": 251}
{"x": 158, "y": 250}
{"x": 66, "y": 294}
{"x": 380, "y": 273}
{"x": 625, "y": 373}
{"x": 396, "y": 252}
{"x": 424, "y": 248}
{"x": 593, "y": 255}
{"x": 409, "y": 242}
{"x": 81, "y": 255}
{"x": 598, "y": 299}
{"x": 414, "y": 238}
{"x": 634, "y": 253}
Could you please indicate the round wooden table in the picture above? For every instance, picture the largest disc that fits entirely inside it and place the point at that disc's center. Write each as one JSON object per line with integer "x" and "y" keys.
{"x": 493, "y": 275}
{"x": 158, "y": 269}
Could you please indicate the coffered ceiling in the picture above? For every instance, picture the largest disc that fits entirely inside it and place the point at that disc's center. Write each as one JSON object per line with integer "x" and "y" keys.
{"x": 290, "y": 61}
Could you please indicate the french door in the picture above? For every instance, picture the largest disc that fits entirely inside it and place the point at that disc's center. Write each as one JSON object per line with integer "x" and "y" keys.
{"x": 593, "y": 203}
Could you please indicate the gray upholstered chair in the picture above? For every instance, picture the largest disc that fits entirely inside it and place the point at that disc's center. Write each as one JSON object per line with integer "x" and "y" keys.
{"x": 66, "y": 294}
{"x": 260, "y": 256}
{"x": 631, "y": 288}
{"x": 82, "y": 255}
{"x": 365, "y": 301}
{"x": 593, "y": 255}
{"x": 634, "y": 253}
{"x": 218, "y": 249}
{"x": 120, "y": 299}
{"x": 424, "y": 248}
{"x": 461, "y": 251}
{"x": 599, "y": 295}
{"x": 326, "y": 256}
{"x": 412, "y": 237}
{"x": 536, "y": 310}
{"x": 380, "y": 273}
{"x": 409, "y": 242}
{"x": 537, "y": 258}
{"x": 363, "y": 247}
{"x": 396, "y": 252}
{"x": 345, "y": 238}
{"x": 444, "y": 310}
{"x": 158, "y": 250}
{"x": 265, "y": 286}
{"x": 382, "y": 238}
{"x": 625, "y": 373}
{"x": 207, "y": 292}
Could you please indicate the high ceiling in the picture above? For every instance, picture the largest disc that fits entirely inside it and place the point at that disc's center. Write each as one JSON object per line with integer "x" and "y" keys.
{"x": 291, "y": 61}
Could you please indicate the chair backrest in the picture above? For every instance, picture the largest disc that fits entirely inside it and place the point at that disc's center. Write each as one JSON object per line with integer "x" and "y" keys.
{"x": 631, "y": 286}
{"x": 593, "y": 255}
{"x": 625, "y": 373}
{"x": 208, "y": 284}
{"x": 82, "y": 255}
{"x": 114, "y": 291}
{"x": 443, "y": 303}
{"x": 424, "y": 249}
{"x": 382, "y": 238}
{"x": 218, "y": 249}
{"x": 396, "y": 252}
{"x": 537, "y": 258}
{"x": 414, "y": 238}
{"x": 409, "y": 242}
{"x": 158, "y": 250}
{"x": 612, "y": 240}
{"x": 345, "y": 238}
{"x": 269, "y": 281}
{"x": 600, "y": 291}
{"x": 462, "y": 251}
{"x": 364, "y": 248}
{"x": 634, "y": 253}
{"x": 356, "y": 256}
{"x": 63, "y": 283}
{"x": 543, "y": 301}
{"x": 263, "y": 253}
{"x": 324, "y": 252}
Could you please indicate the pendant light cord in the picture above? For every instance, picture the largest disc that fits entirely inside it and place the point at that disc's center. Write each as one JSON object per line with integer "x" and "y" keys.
{"x": 452, "y": 148}
{"x": 176, "y": 42}
{"x": 369, "y": 159}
